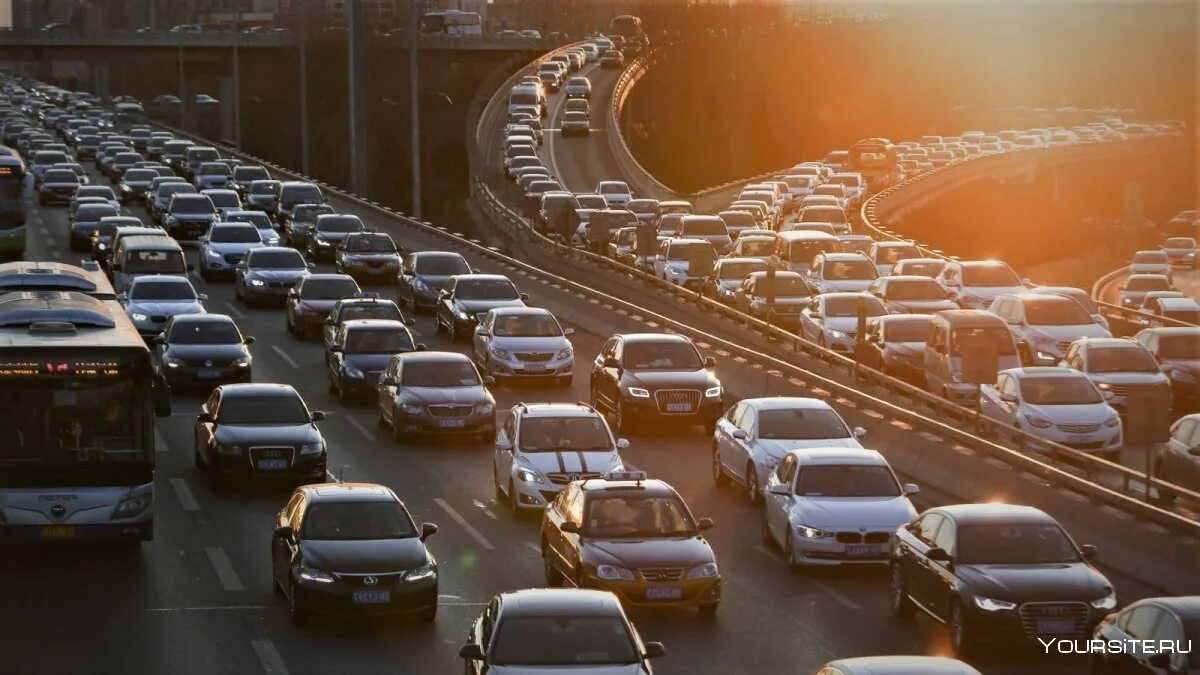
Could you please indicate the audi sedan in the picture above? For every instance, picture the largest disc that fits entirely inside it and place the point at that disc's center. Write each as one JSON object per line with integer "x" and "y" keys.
{"x": 203, "y": 349}
{"x": 329, "y": 231}
{"x": 310, "y": 301}
{"x": 435, "y": 393}
{"x": 352, "y": 549}
{"x": 360, "y": 351}
{"x": 226, "y": 245}
{"x": 152, "y": 299}
{"x": 515, "y": 342}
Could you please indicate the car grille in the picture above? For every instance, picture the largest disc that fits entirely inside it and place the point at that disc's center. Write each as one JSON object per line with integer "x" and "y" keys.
{"x": 1125, "y": 389}
{"x": 860, "y": 537}
{"x": 534, "y": 358}
{"x": 670, "y": 397}
{"x": 360, "y": 580}
{"x": 271, "y": 452}
{"x": 280, "y": 284}
{"x": 1075, "y": 612}
{"x": 565, "y": 477}
{"x": 450, "y": 410}
{"x": 661, "y": 573}
{"x": 1079, "y": 428}
{"x": 158, "y": 318}
{"x": 206, "y": 363}
{"x": 233, "y": 258}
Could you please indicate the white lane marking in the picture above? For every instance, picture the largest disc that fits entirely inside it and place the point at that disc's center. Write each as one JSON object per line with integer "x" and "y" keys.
{"x": 361, "y": 428}
{"x": 224, "y": 568}
{"x": 160, "y": 443}
{"x": 269, "y": 657}
{"x": 836, "y": 595}
{"x": 534, "y": 547}
{"x": 456, "y": 517}
{"x": 283, "y": 355}
{"x": 234, "y": 311}
{"x": 186, "y": 499}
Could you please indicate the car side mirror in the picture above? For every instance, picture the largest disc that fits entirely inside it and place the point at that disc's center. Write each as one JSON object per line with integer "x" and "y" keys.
{"x": 1108, "y": 395}
{"x": 284, "y": 532}
{"x": 1194, "y": 452}
{"x": 1088, "y": 551}
{"x": 329, "y": 321}
{"x": 525, "y": 296}
{"x": 206, "y": 418}
{"x": 480, "y": 330}
{"x": 410, "y": 322}
{"x": 568, "y": 332}
{"x": 859, "y": 432}
{"x": 472, "y": 652}
{"x": 159, "y": 339}
{"x": 704, "y": 524}
{"x": 428, "y": 530}
{"x": 611, "y": 362}
{"x": 489, "y": 380}
{"x": 655, "y": 650}
{"x": 421, "y": 346}
{"x": 938, "y": 554}
{"x": 710, "y": 362}
{"x": 317, "y": 416}
{"x": 248, "y": 341}
{"x": 911, "y": 489}
{"x": 203, "y": 297}
{"x": 1008, "y": 398}
{"x": 778, "y": 489}
{"x": 570, "y": 527}
{"x": 740, "y": 434}
{"x": 292, "y": 293}
{"x": 312, "y": 266}
{"x": 203, "y": 239}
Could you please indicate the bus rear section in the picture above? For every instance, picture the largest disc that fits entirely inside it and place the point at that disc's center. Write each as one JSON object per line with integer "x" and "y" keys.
{"x": 877, "y": 160}
{"x": 12, "y": 208}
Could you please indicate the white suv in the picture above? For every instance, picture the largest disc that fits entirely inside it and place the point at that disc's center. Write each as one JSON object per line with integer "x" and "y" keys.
{"x": 544, "y": 446}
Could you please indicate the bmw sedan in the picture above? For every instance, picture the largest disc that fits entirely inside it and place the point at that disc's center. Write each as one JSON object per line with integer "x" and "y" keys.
{"x": 268, "y": 274}
{"x": 203, "y": 349}
{"x": 435, "y": 392}
{"x": 152, "y": 299}
{"x": 423, "y": 274}
{"x": 466, "y": 298}
{"x": 260, "y": 221}
{"x": 226, "y": 245}
{"x": 361, "y": 350}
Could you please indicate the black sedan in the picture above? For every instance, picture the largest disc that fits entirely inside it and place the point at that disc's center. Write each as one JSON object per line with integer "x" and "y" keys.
{"x": 329, "y": 231}
{"x": 997, "y": 572}
{"x": 203, "y": 349}
{"x": 368, "y": 257}
{"x": 466, "y": 298}
{"x": 352, "y": 549}
{"x": 1153, "y": 622}
{"x": 423, "y": 274}
{"x": 651, "y": 375}
{"x": 259, "y": 431}
{"x": 360, "y": 351}
{"x": 349, "y": 309}
{"x": 435, "y": 392}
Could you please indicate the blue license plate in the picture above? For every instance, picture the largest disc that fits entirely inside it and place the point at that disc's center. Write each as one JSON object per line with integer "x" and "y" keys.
{"x": 272, "y": 464}
{"x": 452, "y": 423}
{"x": 208, "y": 373}
{"x": 679, "y": 407}
{"x": 372, "y": 597}
{"x": 1055, "y": 626}
{"x": 861, "y": 551}
{"x": 664, "y": 593}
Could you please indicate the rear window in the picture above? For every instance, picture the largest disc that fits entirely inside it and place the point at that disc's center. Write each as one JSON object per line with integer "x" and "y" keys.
{"x": 192, "y": 204}
{"x": 704, "y": 227}
{"x": 299, "y": 193}
{"x": 50, "y": 157}
{"x": 60, "y": 176}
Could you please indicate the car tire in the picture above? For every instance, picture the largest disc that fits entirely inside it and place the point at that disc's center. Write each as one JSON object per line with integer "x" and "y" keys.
{"x": 620, "y": 424}
{"x": 296, "y": 611}
{"x": 397, "y": 436}
{"x": 554, "y": 578}
{"x": 789, "y": 553}
{"x": 752, "y": 491}
{"x": 718, "y": 471}
{"x": 496, "y": 483}
{"x": 205, "y": 274}
{"x": 765, "y": 535}
{"x": 452, "y": 331}
{"x": 275, "y": 587}
{"x": 437, "y": 323}
{"x": 197, "y": 459}
{"x": 291, "y": 328}
{"x": 707, "y": 610}
{"x": 342, "y": 396}
{"x": 902, "y": 606}
{"x": 514, "y": 502}
{"x": 961, "y": 639}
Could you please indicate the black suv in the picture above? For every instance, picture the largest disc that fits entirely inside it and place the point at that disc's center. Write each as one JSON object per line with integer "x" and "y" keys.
{"x": 997, "y": 572}
{"x": 643, "y": 375}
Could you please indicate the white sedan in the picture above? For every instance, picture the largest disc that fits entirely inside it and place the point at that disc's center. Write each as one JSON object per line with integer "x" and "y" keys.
{"x": 615, "y": 192}
{"x": 523, "y": 342}
{"x": 831, "y": 319}
{"x": 1054, "y": 403}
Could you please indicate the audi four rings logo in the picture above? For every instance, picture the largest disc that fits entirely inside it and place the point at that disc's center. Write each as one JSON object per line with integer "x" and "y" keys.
{"x": 370, "y": 581}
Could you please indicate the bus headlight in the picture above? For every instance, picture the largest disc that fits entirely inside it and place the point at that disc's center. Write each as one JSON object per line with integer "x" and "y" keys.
{"x": 133, "y": 506}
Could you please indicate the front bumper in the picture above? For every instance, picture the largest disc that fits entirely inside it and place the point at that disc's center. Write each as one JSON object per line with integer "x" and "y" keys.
{"x": 1103, "y": 439}
{"x": 829, "y": 551}
{"x": 182, "y": 376}
{"x": 1029, "y": 621}
{"x": 515, "y": 367}
{"x": 707, "y": 411}
{"x": 426, "y": 423}
{"x": 683, "y": 592}
{"x": 366, "y": 271}
{"x": 242, "y": 465}
{"x": 402, "y": 597}
{"x": 123, "y": 531}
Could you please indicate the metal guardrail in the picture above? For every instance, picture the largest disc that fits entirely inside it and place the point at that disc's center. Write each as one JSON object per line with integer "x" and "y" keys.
{"x": 273, "y": 38}
{"x": 647, "y": 184}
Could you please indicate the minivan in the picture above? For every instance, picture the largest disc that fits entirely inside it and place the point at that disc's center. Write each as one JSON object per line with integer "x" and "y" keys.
{"x": 523, "y": 94}
{"x": 795, "y": 250}
{"x": 943, "y": 351}
{"x": 142, "y": 255}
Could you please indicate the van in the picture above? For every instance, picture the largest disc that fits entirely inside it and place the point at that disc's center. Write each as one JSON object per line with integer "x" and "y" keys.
{"x": 943, "y": 351}
{"x": 142, "y": 255}
{"x": 527, "y": 94}
{"x": 794, "y": 251}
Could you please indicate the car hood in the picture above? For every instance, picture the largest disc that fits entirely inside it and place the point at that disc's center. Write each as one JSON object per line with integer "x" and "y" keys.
{"x": 672, "y": 379}
{"x": 367, "y": 362}
{"x": 214, "y": 352}
{"x": 315, "y": 305}
{"x": 570, "y": 461}
{"x": 531, "y": 344}
{"x": 626, "y": 669}
{"x": 1147, "y": 268}
{"x": 1131, "y": 378}
{"x": 476, "y": 306}
{"x": 372, "y": 256}
{"x": 330, "y": 236}
{"x": 1068, "y": 333}
{"x": 1050, "y": 581}
{"x": 168, "y": 307}
{"x": 1087, "y": 413}
{"x": 774, "y": 449}
{"x": 921, "y": 306}
{"x": 844, "y": 512}
{"x": 434, "y": 281}
{"x": 193, "y": 216}
{"x": 844, "y": 285}
{"x": 379, "y": 556}
{"x": 435, "y": 395}
{"x": 267, "y": 434}
{"x": 233, "y": 247}
{"x": 276, "y": 275}
{"x": 989, "y": 292}
{"x": 657, "y": 552}
{"x": 905, "y": 349}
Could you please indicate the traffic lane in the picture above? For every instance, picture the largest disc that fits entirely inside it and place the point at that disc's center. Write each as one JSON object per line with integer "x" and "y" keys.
{"x": 580, "y": 163}
{"x": 1184, "y": 279}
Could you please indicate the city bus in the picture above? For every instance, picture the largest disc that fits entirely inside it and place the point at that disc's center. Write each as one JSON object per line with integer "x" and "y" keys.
{"x": 877, "y": 160}
{"x": 452, "y": 22}
{"x": 128, "y": 115}
{"x": 12, "y": 206}
{"x": 630, "y": 28}
{"x": 79, "y": 397}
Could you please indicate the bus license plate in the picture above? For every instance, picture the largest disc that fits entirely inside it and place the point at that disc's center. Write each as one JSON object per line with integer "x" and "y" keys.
{"x": 679, "y": 407}
{"x": 1055, "y": 626}
{"x": 209, "y": 373}
{"x": 58, "y": 531}
{"x": 452, "y": 423}
{"x": 861, "y": 551}
{"x": 372, "y": 597}
{"x": 272, "y": 464}
{"x": 664, "y": 593}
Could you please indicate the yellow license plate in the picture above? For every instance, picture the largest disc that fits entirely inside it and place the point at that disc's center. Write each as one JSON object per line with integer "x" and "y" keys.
{"x": 58, "y": 531}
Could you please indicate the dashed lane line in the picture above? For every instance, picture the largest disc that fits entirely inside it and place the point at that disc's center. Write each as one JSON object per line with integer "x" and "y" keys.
{"x": 362, "y": 429}
{"x": 234, "y": 311}
{"x": 224, "y": 568}
{"x": 283, "y": 355}
{"x": 184, "y": 493}
{"x": 457, "y": 517}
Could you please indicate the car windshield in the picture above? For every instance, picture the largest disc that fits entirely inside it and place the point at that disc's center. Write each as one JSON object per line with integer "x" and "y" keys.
{"x": 757, "y": 248}
{"x": 894, "y": 254}
{"x": 1150, "y": 258}
{"x": 915, "y": 289}
{"x": 692, "y": 251}
{"x": 205, "y": 333}
{"x": 740, "y": 270}
{"x": 1056, "y": 312}
{"x": 847, "y": 307}
{"x": 849, "y": 269}
{"x": 526, "y": 325}
{"x": 737, "y": 219}
{"x": 223, "y": 198}
{"x": 357, "y": 520}
{"x": 786, "y": 286}
{"x": 916, "y": 330}
{"x": 293, "y": 194}
{"x": 1132, "y": 359}
{"x": 162, "y": 290}
{"x": 375, "y": 244}
{"x": 215, "y": 169}
{"x": 481, "y": 289}
{"x": 151, "y": 262}
{"x": 1148, "y": 284}
{"x": 1180, "y": 242}
{"x": 661, "y": 356}
{"x": 989, "y": 276}
{"x": 924, "y": 269}
{"x": 277, "y": 260}
{"x": 60, "y": 176}
{"x": 548, "y": 434}
{"x": 140, "y": 175}
{"x": 234, "y": 235}
{"x": 963, "y": 336}
{"x": 249, "y": 173}
{"x": 342, "y": 224}
{"x": 263, "y": 409}
{"x": 93, "y": 212}
{"x": 441, "y": 265}
{"x": 192, "y": 204}
{"x": 1191, "y": 316}
{"x": 591, "y": 202}
{"x": 1059, "y": 391}
{"x": 378, "y": 341}
{"x": 328, "y": 289}
{"x": 309, "y": 212}
{"x": 823, "y": 214}
{"x": 801, "y": 424}
{"x": 1186, "y": 346}
{"x": 846, "y": 480}
{"x": 563, "y": 641}
{"x": 637, "y": 516}
{"x": 375, "y": 310}
{"x": 263, "y": 187}
{"x": 1014, "y": 544}
{"x": 454, "y": 373}
{"x": 704, "y": 227}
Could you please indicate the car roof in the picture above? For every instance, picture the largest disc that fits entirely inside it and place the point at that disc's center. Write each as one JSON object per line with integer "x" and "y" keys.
{"x": 835, "y": 257}
{"x": 433, "y": 356}
{"x": 786, "y": 403}
{"x": 1043, "y": 371}
{"x": 327, "y": 276}
{"x": 525, "y": 311}
{"x": 160, "y": 278}
{"x": 1173, "y": 330}
{"x": 1187, "y": 607}
{"x": 1093, "y": 342}
{"x": 648, "y": 486}
{"x": 556, "y": 410}
{"x": 838, "y": 456}
{"x": 1177, "y": 302}
{"x": 257, "y": 389}
{"x": 347, "y": 492}
{"x": 482, "y": 277}
{"x": 634, "y": 338}
{"x": 902, "y": 665}
{"x": 559, "y": 602}
{"x": 992, "y": 513}
{"x": 368, "y": 324}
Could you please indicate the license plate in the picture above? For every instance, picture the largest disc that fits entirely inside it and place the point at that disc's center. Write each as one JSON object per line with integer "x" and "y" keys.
{"x": 861, "y": 551}
{"x": 1055, "y": 626}
{"x": 58, "y": 531}
{"x": 451, "y": 423}
{"x": 375, "y": 270}
{"x": 272, "y": 464}
{"x": 535, "y": 367}
{"x": 208, "y": 373}
{"x": 372, "y": 597}
{"x": 664, "y": 593}
{"x": 679, "y": 407}
{"x": 1078, "y": 438}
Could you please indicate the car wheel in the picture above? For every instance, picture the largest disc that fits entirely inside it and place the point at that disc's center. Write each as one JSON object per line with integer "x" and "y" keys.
{"x": 620, "y": 423}
{"x": 902, "y": 605}
{"x": 298, "y": 613}
{"x": 752, "y": 491}
{"x": 428, "y": 615}
{"x": 514, "y": 502}
{"x": 205, "y": 274}
{"x": 496, "y": 482}
{"x": 380, "y": 420}
{"x": 452, "y": 331}
{"x": 708, "y": 610}
{"x": 275, "y": 587}
{"x": 197, "y": 459}
{"x": 718, "y": 471}
{"x": 793, "y": 565}
{"x": 343, "y": 396}
{"x": 291, "y": 327}
{"x": 554, "y": 578}
{"x": 765, "y": 534}
{"x": 397, "y": 436}
{"x": 437, "y": 322}
{"x": 960, "y": 639}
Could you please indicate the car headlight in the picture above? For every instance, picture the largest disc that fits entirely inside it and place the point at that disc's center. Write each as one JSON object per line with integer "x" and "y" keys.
{"x": 674, "y": 271}
{"x": 460, "y": 313}
{"x": 243, "y": 362}
{"x": 311, "y": 448}
{"x": 613, "y": 572}
{"x": 990, "y": 605}
{"x": 256, "y": 282}
{"x": 485, "y": 408}
{"x": 133, "y": 506}
{"x": 138, "y": 316}
{"x": 321, "y": 242}
{"x": 501, "y": 353}
{"x": 837, "y": 334}
{"x": 566, "y": 353}
{"x": 1112, "y": 421}
{"x": 638, "y": 392}
{"x": 1046, "y": 356}
{"x": 101, "y": 247}
{"x": 713, "y": 392}
{"x": 705, "y": 571}
{"x": 351, "y": 372}
{"x": 212, "y": 254}
{"x": 172, "y": 362}
{"x": 1103, "y": 386}
{"x": 529, "y": 476}
{"x": 413, "y": 408}
{"x": 315, "y": 575}
{"x": 812, "y": 532}
{"x": 1036, "y": 421}
{"x": 426, "y": 571}
{"x": 1106, "y": 603}
{"x": 421, "y": 287}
